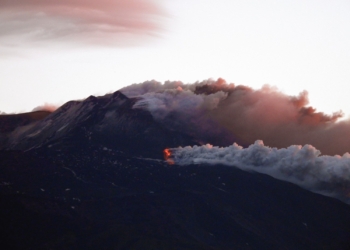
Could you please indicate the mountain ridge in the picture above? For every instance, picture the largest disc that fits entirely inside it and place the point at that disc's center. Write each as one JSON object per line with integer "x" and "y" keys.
{"x": 110, "y": 118}
{"x": 91, "y": 175}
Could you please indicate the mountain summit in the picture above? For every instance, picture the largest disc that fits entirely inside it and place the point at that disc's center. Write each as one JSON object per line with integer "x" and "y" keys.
{"x": 110, "y": 120}
{"x": 91, "y": 175}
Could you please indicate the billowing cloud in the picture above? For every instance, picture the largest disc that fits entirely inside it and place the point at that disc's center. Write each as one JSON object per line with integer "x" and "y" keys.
{"x": 227, "y": 115}
{"x": 328, "y": 175}
{"x": 219, "y": 113}
{"x": 105, "y": 21}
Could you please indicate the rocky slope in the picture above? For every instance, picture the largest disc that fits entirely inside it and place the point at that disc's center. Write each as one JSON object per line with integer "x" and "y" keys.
{"x": 91, "y": 176}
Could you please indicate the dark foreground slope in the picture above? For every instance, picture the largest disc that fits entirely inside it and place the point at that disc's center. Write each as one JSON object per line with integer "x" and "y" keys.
{"x": 68, "y": 185}
{"x": 103, "y": 199}
{"x": 8, "y": 123}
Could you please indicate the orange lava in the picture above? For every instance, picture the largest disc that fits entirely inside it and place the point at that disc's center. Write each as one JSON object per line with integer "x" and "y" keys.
{"x": 167, "y": 154}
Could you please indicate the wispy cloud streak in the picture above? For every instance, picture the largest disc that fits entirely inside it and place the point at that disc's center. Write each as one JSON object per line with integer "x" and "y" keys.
{"x": 104, "y": 22}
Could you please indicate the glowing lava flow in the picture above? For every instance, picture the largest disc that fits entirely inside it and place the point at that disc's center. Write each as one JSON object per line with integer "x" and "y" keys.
{"x": 167, "y": 155}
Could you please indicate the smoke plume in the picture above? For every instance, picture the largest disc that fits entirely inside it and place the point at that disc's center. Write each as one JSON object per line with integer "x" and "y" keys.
{"x": 219, "y": 113}
{"x": 328, "y": 175}
{"x": 226, "y": 115}
{"x": 88, "y": 21}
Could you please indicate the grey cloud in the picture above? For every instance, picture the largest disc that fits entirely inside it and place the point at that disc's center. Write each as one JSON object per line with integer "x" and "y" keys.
{"x": 301, "y": 165}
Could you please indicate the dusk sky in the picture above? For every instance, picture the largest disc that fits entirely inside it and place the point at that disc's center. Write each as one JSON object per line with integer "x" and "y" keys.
{"x": 55, "y": 51}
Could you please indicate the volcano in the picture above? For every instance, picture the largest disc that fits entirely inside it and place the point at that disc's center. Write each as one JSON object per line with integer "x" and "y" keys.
{"x": 92, "y": 175}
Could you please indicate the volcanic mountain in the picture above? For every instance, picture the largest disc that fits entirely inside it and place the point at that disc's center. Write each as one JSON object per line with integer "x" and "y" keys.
{"x": 91, "y": 175}
{"x": 109, "y": 120}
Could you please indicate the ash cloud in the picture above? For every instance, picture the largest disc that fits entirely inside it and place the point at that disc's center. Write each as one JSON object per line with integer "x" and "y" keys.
{"x": 106, "y": 22}
{"x": 219, "y": 113}
{"x": 327, "y": 175}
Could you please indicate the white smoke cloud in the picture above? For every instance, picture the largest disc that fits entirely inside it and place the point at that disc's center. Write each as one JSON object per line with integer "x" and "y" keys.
{"x": 178, "y": 107}
{"x": 303, "y": 166}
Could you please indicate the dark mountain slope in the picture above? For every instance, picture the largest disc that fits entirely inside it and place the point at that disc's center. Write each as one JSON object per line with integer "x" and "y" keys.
{"x": 89, "y": 176}
{"x": 102, "y": 198}
{"x": 109, "y": 119}
{"x": 9, "y": 123}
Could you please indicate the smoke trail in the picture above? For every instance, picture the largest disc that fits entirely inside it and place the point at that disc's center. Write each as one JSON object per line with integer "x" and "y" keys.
{"x": 327, "y": 175}
{"x": 219, "y": 113}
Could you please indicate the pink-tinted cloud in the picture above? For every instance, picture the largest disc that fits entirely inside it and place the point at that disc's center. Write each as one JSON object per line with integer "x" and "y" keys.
{"x": 104, "y": 21}
{"x": 46, "y": 107}
{"x": 219, "y": 113}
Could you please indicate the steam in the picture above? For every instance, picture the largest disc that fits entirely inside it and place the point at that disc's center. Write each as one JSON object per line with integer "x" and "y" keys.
{"x": 219, "y": 113}
{"x": 328, "y": 175}
{"x": 99, "y": 22}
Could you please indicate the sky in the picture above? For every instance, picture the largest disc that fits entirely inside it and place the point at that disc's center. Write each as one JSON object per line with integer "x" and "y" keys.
{"x": 53, "y": 52}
